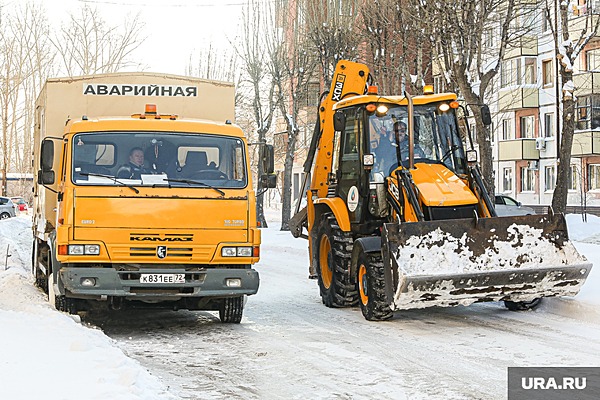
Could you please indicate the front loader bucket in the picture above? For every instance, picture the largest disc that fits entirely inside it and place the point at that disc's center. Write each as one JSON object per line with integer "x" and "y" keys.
{"x": 451, "y": 262}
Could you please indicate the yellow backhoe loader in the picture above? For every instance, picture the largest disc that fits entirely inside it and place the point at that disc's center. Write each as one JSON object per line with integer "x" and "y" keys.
{"x": 399, "y": 220}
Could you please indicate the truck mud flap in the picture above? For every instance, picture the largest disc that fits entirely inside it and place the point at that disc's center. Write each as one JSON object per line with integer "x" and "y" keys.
{"x": 452, "y": 262}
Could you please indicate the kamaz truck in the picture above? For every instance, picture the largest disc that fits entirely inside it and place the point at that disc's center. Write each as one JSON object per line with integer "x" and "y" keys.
{"x": 178, "y": 230}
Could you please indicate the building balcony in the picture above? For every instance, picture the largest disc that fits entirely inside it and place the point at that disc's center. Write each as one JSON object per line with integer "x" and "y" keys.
{"x": 518, "y": 149}
{"x": 586, "y": 143}
{"x": 586, "y": 83}
{"x": 584, "y": 22}
{"x": 527, "y": 45}
{"x": 522, "y": 97}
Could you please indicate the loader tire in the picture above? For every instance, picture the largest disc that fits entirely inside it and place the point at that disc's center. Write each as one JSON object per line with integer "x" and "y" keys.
{"x": 371, "y": 287}
{"x": 522, "y": 305}
{"x": 332, "y": 251}
{"x": 231, "y": 310}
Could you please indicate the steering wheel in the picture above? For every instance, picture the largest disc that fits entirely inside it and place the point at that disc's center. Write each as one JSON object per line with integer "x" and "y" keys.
{"x": 210, "y": 174}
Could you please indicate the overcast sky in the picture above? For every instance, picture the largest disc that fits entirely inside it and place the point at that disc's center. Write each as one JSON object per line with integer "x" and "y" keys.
{"x": 174, "y": 28}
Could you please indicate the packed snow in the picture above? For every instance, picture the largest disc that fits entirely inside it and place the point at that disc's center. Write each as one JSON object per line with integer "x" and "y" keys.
{"x": 288, "y": 345}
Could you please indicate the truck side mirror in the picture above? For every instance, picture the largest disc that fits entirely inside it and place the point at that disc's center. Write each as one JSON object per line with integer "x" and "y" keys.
{"x": 47, "y": 155}
{"x": 268, "y": 159}
{"x": 339, "y": 121}
{"x": 486, "y": 116}
{"x": 45, "y": 177}
{"x": 268, "y": 181}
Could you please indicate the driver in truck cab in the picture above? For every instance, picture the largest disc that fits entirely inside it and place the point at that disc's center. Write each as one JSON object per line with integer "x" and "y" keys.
{"x": 135, "y": 167}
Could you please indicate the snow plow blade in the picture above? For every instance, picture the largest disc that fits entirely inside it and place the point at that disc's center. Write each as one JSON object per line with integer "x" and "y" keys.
{"x": 459, "y": 262}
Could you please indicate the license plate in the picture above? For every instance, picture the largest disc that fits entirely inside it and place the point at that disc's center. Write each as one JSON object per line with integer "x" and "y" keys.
{"x": 162, "y": 278}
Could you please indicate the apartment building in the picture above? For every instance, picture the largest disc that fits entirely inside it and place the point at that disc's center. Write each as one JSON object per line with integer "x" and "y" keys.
{"x": 528, "y": 117}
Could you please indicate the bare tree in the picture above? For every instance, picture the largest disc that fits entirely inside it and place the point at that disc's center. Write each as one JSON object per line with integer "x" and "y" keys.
{"x": 466, "y": 61}
{"x": 332, "y": 33}
{"x": 25, "y": 57}
{"x": 259, "y": 83}
{"x": 567, "y": 50}
{"x": 87, "y": 44}
{"x": 292, "y": 67}
{"x": 396, "y": 35}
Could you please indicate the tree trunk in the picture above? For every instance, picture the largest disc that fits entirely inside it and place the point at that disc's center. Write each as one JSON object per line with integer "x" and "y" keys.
{"x": 286, "y": 207}
{"x": 559, "y": 198}
{"x": 260, "y": 213}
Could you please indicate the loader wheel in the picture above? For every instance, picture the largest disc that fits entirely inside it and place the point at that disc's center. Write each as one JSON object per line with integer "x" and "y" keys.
{"x": 371, "y": 287}
{"x": 231, "y": 310}
{"x": 331, "y": 255}
{"x": 522, "y": 305}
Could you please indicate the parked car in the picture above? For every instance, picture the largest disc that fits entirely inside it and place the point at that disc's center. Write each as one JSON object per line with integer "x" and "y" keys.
{"x": 7, "y": 208}
{"x": 20, "y": 203}
{"x": 506, "y": 205}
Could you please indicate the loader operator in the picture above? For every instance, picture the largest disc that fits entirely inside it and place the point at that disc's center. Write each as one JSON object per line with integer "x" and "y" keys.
{"x": 135, "y": 167}
{"x": 386, "y": 151}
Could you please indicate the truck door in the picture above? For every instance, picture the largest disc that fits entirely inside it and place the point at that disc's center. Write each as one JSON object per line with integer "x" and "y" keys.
{"x": 348, "y": 174}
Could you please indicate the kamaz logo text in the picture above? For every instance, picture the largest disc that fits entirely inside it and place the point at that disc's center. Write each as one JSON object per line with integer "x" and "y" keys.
{"x": 338, "y": 88}
{"x": 150, "y": 237}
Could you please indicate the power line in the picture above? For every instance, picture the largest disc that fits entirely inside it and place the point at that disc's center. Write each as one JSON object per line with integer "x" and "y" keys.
{"x": 121, "y": 3}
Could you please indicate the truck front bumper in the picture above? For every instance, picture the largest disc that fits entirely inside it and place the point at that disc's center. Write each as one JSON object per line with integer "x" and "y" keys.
{"x": 210, "y": 282}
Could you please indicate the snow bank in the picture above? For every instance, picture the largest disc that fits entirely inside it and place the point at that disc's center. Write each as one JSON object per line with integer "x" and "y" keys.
{"x": 50, "y": 355}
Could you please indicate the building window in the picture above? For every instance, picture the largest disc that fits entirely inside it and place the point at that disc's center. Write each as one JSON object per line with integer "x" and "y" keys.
{"x": 530, "y": 77}
{"x": 506, "y": 131}
{"x": 594, "y": 176}
{"x": 527, "y": 180}
{"x": 550, "y": 179}
{"x": 545, "y": 22}
{"x": 547, "y": 73}
{"x": 549, "y": 125}
{"x": 438, "y": 84}
{"x": 507, "y": 181}
{"x": 588, "y": 112}
{"x": 527, "y": 126}
{"x": 593, "y": 59}
{"x": 572, "y": 179}
{"x": 510, "y": 72}
{"x": 489, "y": 38}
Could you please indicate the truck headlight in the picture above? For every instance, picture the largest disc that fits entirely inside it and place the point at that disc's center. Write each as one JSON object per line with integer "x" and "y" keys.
{"x": 228, "y": 252}
{"x": 92, "y": 249}
{"x": 236, "y": 251}
{"x": 244, "y": 251}
{"x": 84, "y": 249}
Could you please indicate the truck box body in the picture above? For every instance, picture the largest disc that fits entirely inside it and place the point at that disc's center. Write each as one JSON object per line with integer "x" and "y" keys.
{"x": 163, "y": 233}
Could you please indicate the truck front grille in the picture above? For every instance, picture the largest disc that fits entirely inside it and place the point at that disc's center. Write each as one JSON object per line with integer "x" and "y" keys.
{"x": 151, "y": 252}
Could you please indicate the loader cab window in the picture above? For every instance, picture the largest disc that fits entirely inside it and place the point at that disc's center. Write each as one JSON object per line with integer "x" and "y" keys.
{"x": 436, "y": 139}
{"x": 170, "y": 159}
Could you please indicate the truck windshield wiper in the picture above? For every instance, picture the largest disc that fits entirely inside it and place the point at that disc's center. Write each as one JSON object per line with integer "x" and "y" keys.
{"x": 110, "y": 177}
{"x": 191, "y": 181}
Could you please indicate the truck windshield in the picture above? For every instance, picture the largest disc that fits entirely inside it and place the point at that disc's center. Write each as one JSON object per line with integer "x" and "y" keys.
{"x": 436, "y": 138}
{"x": 158, "y": 159}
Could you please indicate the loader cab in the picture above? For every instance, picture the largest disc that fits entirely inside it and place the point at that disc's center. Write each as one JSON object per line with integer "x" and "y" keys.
{"x": 370, "y": 145}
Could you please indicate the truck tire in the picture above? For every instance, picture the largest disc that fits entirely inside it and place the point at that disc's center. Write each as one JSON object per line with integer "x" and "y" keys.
{"x": 332, "y": 251}
{"x": 231, "y": 310}
{"x": 522, "y": 305}
{"x": 371, "y": 287}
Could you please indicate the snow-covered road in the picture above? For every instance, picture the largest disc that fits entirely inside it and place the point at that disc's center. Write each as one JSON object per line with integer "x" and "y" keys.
{"x": 288, "y": 345}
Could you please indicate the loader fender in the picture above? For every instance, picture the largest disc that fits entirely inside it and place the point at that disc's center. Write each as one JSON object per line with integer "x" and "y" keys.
{"x": 339, "y": 209}
{"x": 369, "y": 244}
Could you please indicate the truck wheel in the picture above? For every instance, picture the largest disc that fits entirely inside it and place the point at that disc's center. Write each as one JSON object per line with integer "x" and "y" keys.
{"x": 371, "y": 287}
{"x": 332, "y": 250}
{"x": 522, "y": 305}
{"x": 231, "y": 310}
